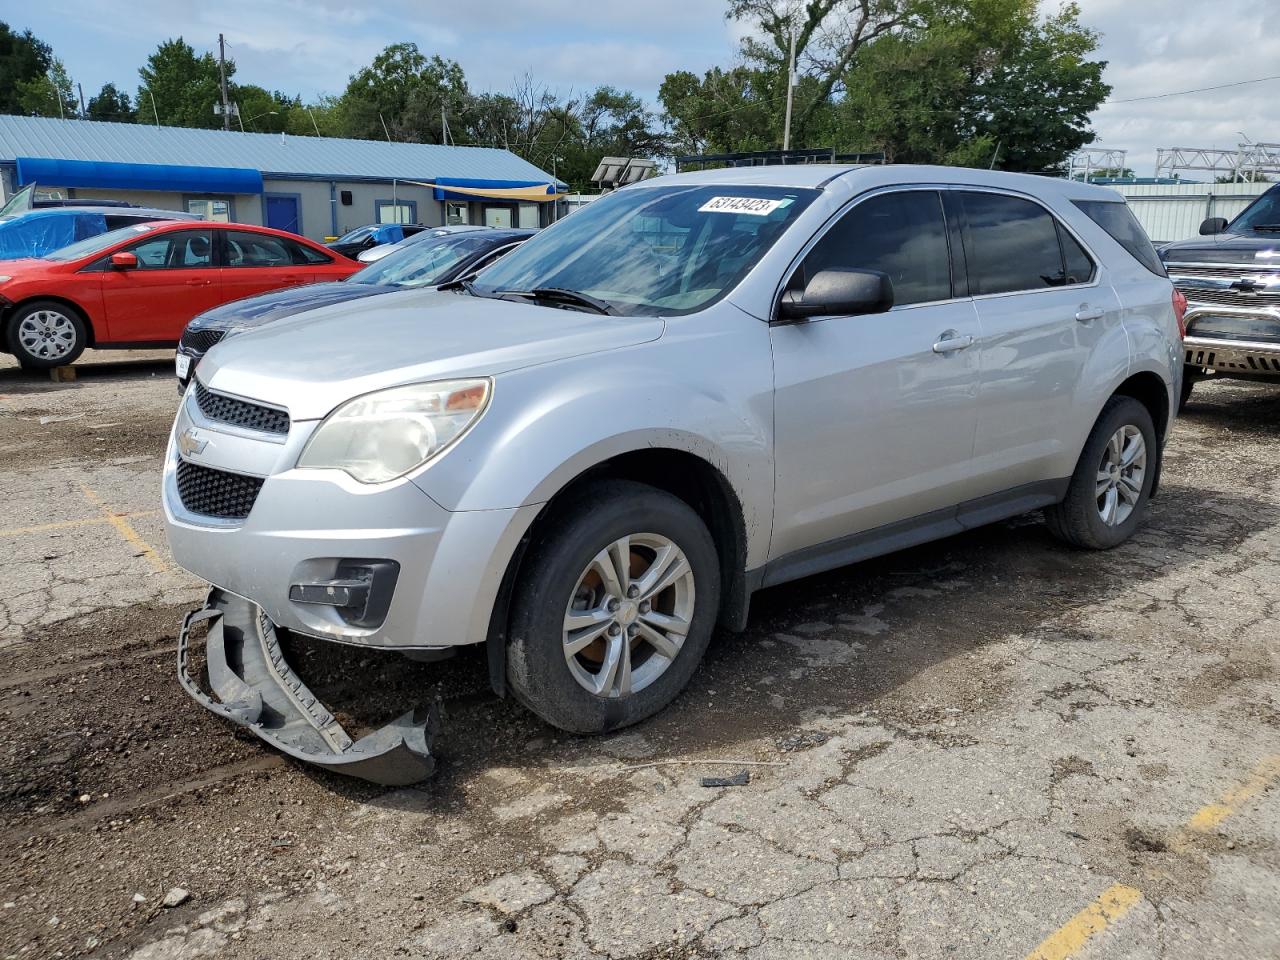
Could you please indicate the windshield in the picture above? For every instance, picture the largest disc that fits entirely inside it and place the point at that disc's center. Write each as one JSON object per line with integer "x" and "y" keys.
{"x": 1263, "y": 215}
{"x": 84, "y": 248}
{"x": 657, "y": 251}
{"x": 20, "y": 202}
{"x": 423, "y": 263}
{"x": 356, "y": 235}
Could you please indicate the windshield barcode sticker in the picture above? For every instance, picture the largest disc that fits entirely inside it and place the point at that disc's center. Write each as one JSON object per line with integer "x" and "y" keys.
{"x": 753, "y": 205}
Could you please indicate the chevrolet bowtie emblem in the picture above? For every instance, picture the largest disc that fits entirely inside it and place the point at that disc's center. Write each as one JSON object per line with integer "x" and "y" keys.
{"x": 190, "y": 442}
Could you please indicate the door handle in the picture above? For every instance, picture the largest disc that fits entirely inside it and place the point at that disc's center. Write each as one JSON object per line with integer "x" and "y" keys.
{"x": 1085, "y": 314}
{"x": 198, "y": 283}
{"x": 949, "y": 342}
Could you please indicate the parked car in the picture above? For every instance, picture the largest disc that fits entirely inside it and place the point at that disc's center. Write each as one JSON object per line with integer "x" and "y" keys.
{"x": 43, "y": 230}
{"x": 428, "y": 259}
{"x": 374, "y": 254}
{"x": 140, "y": 285}
{"x": 375, "y": 234}
{"x": 1230, "y": 275}
{"x": 696, "y": 386}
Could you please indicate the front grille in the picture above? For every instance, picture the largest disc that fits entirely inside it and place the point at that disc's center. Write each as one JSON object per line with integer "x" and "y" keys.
{"x": 201, "y": 340}
{"x": 1232, "y": 298}
{"x": 240, "y": 413}
{"x": 1227, "y": 271}
{"x": 216, "y": 493}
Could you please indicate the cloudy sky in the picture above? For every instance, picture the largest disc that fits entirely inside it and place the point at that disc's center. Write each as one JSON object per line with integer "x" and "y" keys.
{"x": 312, "y": 46}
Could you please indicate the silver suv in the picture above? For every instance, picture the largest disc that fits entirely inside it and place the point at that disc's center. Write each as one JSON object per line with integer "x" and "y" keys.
{"x": 695, "y": 387}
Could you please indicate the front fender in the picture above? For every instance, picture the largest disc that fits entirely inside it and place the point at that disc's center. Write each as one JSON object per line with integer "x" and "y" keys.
{"x": 548, "y": 424}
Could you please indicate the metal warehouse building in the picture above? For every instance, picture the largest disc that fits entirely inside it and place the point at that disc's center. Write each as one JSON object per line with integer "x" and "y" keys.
{"x": 316, "y": 186}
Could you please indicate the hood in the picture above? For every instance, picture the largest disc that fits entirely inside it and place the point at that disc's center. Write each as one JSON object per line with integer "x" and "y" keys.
{"x": 264, "y": 308}
{"x": 1260, "y": 250}
{"x": 311, "y": 362}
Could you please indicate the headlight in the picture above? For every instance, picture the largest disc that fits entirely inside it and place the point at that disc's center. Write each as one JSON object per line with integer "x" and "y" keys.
{"x": 384, "y": 435}
{"x": 5, "y": 278}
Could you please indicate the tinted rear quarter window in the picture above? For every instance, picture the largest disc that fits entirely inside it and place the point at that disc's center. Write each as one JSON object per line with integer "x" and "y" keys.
{"x": 1013, "y": 244}
{"x": 1118, "y": 220}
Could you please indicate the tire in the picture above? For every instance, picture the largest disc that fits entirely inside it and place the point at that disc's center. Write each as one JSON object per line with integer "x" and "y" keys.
{"x": 563, "y": 567}
{"x": 1189, "y": 377}
{"x": 45, "y": 333}
{"x": 1079, "y": 518}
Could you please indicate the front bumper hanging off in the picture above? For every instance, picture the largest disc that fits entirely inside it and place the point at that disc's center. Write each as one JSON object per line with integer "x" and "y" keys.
{"x": 256, "y": 688}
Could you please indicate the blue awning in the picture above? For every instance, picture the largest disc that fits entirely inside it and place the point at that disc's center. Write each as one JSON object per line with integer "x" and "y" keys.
{"x": 137, "y": 176}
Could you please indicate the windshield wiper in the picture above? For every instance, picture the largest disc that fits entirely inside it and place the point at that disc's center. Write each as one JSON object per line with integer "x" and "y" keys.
{"x": 566, "y": 296}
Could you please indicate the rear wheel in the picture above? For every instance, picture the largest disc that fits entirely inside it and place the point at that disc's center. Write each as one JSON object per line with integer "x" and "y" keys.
{"x": 1108, "y": 494}
{"x": 46, "y": 334}
{"x": 614, "y": 608}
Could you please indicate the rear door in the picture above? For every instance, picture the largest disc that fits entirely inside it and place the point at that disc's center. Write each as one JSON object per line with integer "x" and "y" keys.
{"x": 175, "y": 279}
{"x": 258, "y": 262}
{"x": 875, "y": 415}
{"x": 1043, "y": 312}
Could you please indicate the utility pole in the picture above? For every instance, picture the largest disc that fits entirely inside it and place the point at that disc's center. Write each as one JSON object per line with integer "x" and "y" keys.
{"x": 222, "y": 82}
{"x": 791, "y": 83}
{"x": 84, "y": 111}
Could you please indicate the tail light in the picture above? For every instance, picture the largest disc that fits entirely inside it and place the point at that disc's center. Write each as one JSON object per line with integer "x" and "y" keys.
{"x": 1180, "y": 311}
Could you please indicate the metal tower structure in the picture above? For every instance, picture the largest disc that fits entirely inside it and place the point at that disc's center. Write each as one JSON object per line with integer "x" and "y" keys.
{"x": 1245, "y": 163}
{"x": 1087, "y": 160}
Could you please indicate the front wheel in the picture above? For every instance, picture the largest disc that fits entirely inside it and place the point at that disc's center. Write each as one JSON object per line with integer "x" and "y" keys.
{"x": 46, "y": 334}
{"x": 613, "y": 609}
{"x": 1189, "y": 377}
{"x": 1108, "y": 494}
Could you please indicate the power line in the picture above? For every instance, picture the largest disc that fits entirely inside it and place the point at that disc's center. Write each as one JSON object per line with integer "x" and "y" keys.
{"x": 1183, "y": 93}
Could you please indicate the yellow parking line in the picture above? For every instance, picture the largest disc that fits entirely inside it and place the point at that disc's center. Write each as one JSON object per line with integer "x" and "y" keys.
{"x": 1209, "y": 816}
{"x": 125, "y": 530}
{"x": 70, "y": 524}
{"x": 1112, "y": 904}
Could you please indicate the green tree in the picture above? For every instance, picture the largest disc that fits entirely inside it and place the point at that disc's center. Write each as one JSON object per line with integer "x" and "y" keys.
{"x": 184, "y": 86}
{"x": 976, "y": 81}
{"x": 23, "y": 58}
{"x": 723, "y": 111}
{"x": 50, "y": 94}
{"x": 320, "y": 119}
{"x": 111, "y": 104}
{"x": 400, "y": 94}
{"x": 262, "y": 110}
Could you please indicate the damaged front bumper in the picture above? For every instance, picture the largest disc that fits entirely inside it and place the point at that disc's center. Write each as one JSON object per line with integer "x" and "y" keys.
{"x": 256, "y": 688}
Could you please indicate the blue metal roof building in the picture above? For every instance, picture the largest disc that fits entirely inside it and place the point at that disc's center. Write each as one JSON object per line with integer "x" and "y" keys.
{"x": 319, "y": 186}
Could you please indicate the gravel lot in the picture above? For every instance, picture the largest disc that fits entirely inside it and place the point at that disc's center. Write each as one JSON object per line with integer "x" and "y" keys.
{"x": 988, "y": 747}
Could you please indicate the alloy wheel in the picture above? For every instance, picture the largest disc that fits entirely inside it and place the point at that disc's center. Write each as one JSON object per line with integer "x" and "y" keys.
{"x": 629, "y": 615}
{"x": 47, "y": 334}
{"x": 1121, "y": 474}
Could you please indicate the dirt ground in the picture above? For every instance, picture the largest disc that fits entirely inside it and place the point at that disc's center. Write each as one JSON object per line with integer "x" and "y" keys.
{"x": 988, "y": 747}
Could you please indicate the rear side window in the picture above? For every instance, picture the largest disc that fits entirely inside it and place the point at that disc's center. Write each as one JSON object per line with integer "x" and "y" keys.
{"x": 902, "y": 234}
{"x": 1079, "y": 266}
{"x": 304, "y": 254}
{"x": 1118, "y": 220}
{"x": 1013, "y": 245}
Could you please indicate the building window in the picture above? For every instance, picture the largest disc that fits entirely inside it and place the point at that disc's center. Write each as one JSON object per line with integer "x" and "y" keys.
{"x": 218, "y": 211}
{"x": 402, "y": 211}
{"x": 497, "y": 216}
{"x": 456, "y": 213}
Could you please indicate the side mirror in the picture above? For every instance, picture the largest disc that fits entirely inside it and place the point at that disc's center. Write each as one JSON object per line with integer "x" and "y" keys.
{"x": 1213, "y": 225}
{"x": 124, "y": 261}
{"x": 838, "y": 292}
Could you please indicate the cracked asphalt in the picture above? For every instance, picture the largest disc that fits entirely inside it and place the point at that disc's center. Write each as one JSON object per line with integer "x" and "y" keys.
{"x": 987, "y": 747}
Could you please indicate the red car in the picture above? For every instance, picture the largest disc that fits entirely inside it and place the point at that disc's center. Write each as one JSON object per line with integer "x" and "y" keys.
{"x": 139, "y": 285}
